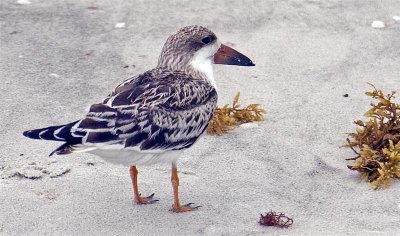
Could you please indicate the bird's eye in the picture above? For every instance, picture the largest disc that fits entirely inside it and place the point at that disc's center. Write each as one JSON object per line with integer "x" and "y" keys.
{"x": 206, "y": 40}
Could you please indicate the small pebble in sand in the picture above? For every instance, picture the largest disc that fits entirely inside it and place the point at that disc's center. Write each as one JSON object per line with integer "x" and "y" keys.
{"x": 23, "y": 2}
{"x": 378, "y": 24}
{"x": 90, "y": 163}
{"x": 346, "y": 95}
{"x": 49, "y": 195}
{"x": 54, "y": 75}
{"x": 120, "y": 25}
{"x": 396, "y": 18}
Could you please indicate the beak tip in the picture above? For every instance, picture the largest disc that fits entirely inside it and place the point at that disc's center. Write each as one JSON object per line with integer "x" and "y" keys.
{"x": 249, "y": 63}
{"x": 229, "y": 56}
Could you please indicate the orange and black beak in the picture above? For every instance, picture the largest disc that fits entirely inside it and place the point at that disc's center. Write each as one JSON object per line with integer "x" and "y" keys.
{"x": 229, "y": 56}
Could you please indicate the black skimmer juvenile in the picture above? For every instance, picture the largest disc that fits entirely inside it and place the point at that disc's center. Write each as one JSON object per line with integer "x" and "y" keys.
{"x": 152, "y": 117}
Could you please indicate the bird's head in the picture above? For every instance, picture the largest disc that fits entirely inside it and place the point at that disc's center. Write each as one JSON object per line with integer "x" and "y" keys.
{"x": 198, "y": 47}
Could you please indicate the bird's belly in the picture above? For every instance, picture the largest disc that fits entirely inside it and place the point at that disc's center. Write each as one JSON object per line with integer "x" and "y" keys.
{"x": 133, "y": 157}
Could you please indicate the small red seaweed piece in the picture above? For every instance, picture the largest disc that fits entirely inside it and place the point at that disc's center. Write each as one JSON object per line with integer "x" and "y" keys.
{"x": 275, "y": 219}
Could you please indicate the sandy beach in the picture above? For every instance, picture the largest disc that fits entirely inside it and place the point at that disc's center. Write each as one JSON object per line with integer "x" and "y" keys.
{"x": 59, "y": 57}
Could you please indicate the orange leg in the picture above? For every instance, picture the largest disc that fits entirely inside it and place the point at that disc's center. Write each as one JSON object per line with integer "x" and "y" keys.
{"x": 177, "y": 207}
{"x": 138, "y": 198}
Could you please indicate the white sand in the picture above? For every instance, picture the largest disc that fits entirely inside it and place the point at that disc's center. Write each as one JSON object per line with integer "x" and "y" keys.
{"x": 308, "y": 55}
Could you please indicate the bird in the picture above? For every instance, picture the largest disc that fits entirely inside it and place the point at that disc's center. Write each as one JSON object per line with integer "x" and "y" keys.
{"x": 152, "y": 117}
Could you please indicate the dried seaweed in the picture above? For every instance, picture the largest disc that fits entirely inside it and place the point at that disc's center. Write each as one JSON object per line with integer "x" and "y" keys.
{"x": 376, "y": 142}
{"x": 275, "y": 219}
{"x": 228, "y": 117}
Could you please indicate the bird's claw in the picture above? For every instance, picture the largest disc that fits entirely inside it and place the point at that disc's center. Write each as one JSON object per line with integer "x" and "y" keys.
{"x": 184, "y": 208}
{"x": 146, "y": 200}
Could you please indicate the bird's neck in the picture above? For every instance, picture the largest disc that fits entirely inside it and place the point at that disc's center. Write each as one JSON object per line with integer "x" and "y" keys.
{"x": 199, "y": 67}
{"x": 204, "y": 66}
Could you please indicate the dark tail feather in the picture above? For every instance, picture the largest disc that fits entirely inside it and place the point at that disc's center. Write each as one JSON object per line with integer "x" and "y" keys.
{"x": 63, "y": 133}
{"x": 63, "y": 149}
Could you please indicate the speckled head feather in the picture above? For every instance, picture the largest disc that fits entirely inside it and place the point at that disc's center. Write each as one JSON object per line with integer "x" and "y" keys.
{"x": 181, "y": 46}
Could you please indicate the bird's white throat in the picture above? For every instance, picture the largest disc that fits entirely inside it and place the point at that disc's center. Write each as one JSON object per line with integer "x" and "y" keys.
{"x": 202, "y": 62}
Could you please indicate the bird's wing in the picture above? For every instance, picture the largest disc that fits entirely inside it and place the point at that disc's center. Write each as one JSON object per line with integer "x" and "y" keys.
{"x": 168, "y": 113}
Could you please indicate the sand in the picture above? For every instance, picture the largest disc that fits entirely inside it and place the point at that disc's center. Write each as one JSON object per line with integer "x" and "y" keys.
{"x": 59, "y": 57}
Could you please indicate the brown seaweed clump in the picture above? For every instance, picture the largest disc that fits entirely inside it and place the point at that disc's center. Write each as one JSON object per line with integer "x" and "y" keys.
{"x": 275, "y": 219}
{"x": 228, "y": 117}
{"x": 376, "y": 141}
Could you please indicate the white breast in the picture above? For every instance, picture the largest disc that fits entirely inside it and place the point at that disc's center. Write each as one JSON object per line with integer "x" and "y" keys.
{"x": 203, "y": 62}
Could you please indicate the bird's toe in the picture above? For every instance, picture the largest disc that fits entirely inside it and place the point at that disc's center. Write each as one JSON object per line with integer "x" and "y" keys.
{"x": 146, "y": 200}
{"x": 184, "y": 208}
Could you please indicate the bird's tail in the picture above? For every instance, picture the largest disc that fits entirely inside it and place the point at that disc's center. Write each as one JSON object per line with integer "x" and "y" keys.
{"x": 58, "y": 133}
{"x": 54, "y": 133}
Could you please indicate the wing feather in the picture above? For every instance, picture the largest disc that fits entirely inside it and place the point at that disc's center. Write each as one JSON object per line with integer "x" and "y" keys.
{"x": 158, "y": 110}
